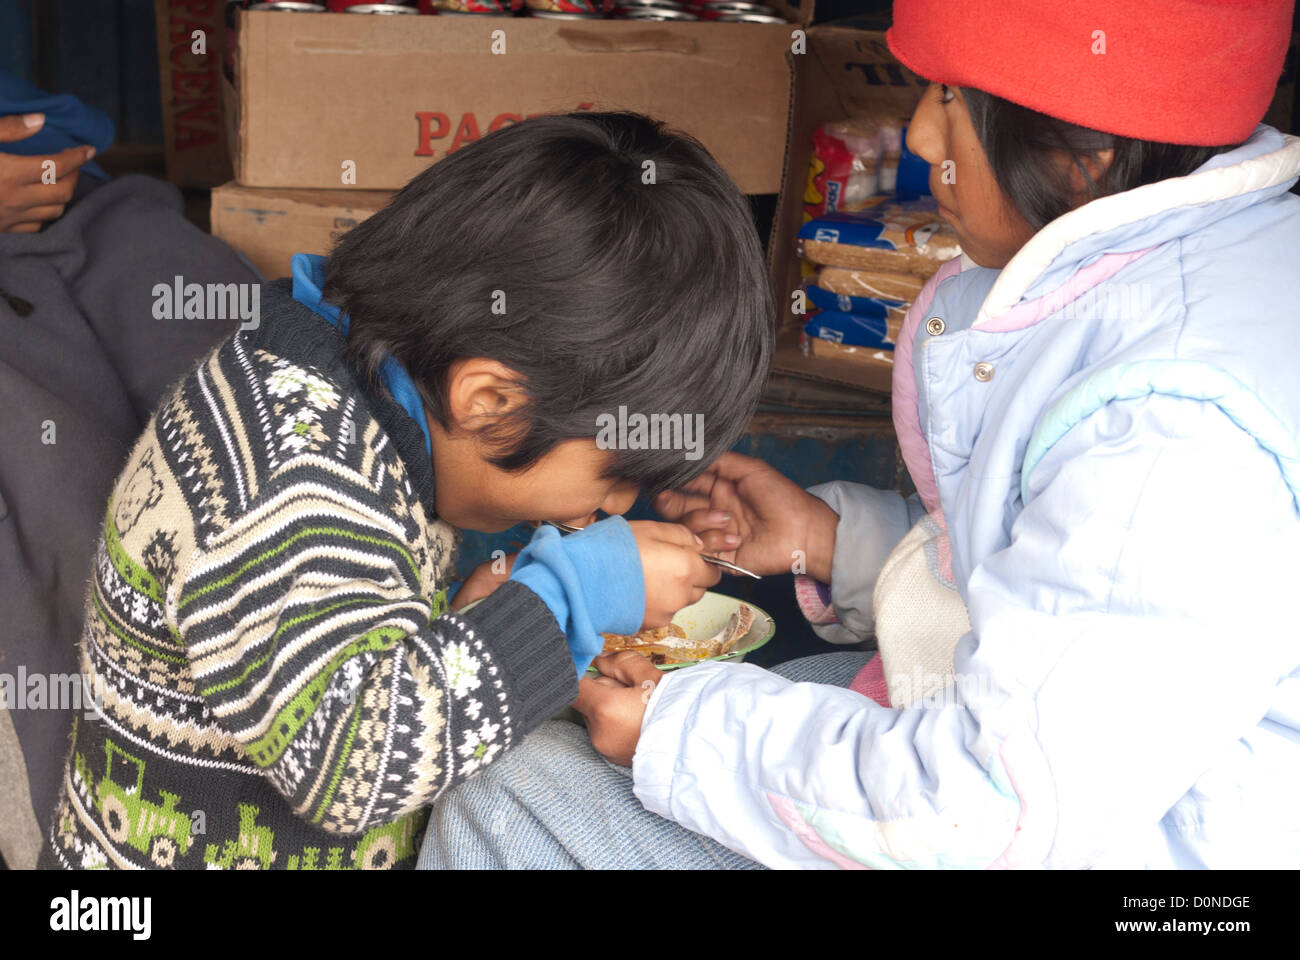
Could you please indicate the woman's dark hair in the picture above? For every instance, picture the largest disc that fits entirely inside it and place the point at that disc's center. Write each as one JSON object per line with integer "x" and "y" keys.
{"x": 1024, "y": 146}
{"x": 606, "y": 260}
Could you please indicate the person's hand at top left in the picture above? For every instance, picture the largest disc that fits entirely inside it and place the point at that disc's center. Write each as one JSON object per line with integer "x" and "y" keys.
{"x": 27, "y": 199}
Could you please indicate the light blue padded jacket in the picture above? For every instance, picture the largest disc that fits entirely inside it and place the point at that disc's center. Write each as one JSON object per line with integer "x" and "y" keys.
{"x": 1109, "y": 425}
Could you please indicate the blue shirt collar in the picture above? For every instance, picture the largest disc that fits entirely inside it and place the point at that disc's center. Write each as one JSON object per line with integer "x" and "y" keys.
{"x": 308, "y": 277}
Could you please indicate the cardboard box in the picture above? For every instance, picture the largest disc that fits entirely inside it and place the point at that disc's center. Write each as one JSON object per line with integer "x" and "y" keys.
{"x": 867, "y": 367}
{"x": 846, "y": 72}
{"x": 269, "y": 226}
{"x": 195, "y": 127}
{"x": 320, "y": 94}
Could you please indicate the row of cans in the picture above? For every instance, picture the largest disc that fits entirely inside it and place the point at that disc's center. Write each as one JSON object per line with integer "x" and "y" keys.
{"x": 733, "y": 11}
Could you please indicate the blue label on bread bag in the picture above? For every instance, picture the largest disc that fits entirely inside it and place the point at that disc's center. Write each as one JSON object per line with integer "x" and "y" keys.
{"x": 849, "y": 330}
{"x": 856, "y": 229}
{"x": 844, "y": 303}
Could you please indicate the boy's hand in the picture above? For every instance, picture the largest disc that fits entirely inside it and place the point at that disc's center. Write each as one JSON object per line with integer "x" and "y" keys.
{"x": 614, "y": 703}
{"x": 674, "y": 574}
{"x": 25, "y": 200}
{"x": 750, "y": 513}
{"x": 483, "y": 579}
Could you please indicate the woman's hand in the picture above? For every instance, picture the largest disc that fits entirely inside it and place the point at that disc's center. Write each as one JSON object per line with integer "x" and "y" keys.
{"x": 483, "y": 579}
{"x": 26, "y": 200}
{"x": 674, "y": 574}
{"x": 748, "y": 512}
{"x": 614, "y": 703}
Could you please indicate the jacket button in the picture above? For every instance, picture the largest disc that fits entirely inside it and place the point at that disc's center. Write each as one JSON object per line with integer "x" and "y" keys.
{"x": 983, "y": 372}
{"x": 934, "y": 326}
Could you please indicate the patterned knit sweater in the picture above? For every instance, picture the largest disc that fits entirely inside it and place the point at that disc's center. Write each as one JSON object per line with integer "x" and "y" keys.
{"x": 281, "y": 686}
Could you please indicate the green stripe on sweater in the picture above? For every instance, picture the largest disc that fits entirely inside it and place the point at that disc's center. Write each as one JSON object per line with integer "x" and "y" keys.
{"x": 308, "y": 532}
{"x": 144, "y": 647}
{"x": 268, "y": 748}
{"x": 130, "y": 571}
{"x": 344, "y": 754}
{"x": 305, "y": 618}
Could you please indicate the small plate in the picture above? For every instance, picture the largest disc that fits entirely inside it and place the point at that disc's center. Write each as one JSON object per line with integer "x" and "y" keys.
{"x": 704, "y": 619}
{"x": 709, "y": 615}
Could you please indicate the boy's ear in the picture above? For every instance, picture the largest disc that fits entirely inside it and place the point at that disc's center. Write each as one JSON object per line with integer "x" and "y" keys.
{"x": 480, "y": 391}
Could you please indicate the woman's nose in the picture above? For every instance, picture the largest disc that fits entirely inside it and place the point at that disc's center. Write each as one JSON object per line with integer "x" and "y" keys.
{"x": 924, "y": 132}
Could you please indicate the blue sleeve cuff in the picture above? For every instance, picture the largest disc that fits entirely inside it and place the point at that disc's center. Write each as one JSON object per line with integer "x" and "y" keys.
{"x": 591, "y": 581}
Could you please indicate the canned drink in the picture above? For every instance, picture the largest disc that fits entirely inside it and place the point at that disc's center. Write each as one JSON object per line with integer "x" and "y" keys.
{"x": 750, "y": 18}
{"x": 498, "y": 7}
{"x": 589, "y": 7}
{"x": 725, "y": 8}
{"x": 655, "y": 13}
{"x": 386, "y": 9}
{"x": 289, "y": 6}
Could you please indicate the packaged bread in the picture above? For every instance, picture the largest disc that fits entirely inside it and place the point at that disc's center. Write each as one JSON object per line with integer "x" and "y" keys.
{"x": 872, "y": 358}
{"x": 901, "y": 237}
{"x": 876, "y": 284}
{"x": 891, "y": 149}
{"x": 824, "y": 299}
{"x": 844, "y": 166}
{"x": 855, "y": 330}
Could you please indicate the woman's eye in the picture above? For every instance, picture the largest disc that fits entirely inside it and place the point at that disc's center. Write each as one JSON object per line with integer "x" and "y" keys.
{"x": 945, "y": 95}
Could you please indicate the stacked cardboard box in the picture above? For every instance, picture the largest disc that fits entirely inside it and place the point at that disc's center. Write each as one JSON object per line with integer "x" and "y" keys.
{"x": 328, "y": 114}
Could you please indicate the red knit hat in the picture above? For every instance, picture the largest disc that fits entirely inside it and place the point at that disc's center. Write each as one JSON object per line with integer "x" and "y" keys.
{"x": 1177, "y": 71}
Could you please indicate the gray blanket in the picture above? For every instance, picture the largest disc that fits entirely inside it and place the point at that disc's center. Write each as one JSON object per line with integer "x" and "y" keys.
{"x": 82, "y": 363}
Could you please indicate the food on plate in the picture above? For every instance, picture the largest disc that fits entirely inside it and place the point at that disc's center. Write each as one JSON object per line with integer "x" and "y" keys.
{"x": 670, "y": 644}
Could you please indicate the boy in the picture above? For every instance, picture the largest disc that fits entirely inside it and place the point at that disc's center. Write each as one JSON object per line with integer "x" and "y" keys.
{"x": 282, "y": 686}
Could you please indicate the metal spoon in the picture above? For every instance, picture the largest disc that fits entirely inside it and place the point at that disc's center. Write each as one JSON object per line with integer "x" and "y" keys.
{"x": 707, "y": 558}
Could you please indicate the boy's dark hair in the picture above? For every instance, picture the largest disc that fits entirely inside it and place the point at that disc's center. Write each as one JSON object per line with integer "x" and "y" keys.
{"x": 624, "y": 267}
{"x": 1024, "y": 146}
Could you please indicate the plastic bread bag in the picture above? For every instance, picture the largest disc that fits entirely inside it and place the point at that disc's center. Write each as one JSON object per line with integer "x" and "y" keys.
{"x": 891, "y": 150}
{"x": 844, "y": 168}
{"x": 873, "y": 358}
{"x": 902, "y": 237}
{"x": 876, "y": 284}
{"x": 855, "y": 330}
{"x": 824, "y": 299}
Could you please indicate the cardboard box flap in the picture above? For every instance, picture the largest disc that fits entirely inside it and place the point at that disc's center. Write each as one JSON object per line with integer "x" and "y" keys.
{"x": 847, "y": 72}
{"x": 386, "y": 96}
{"x": 268, "y": 226}
{"x": 857, "y": 69}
